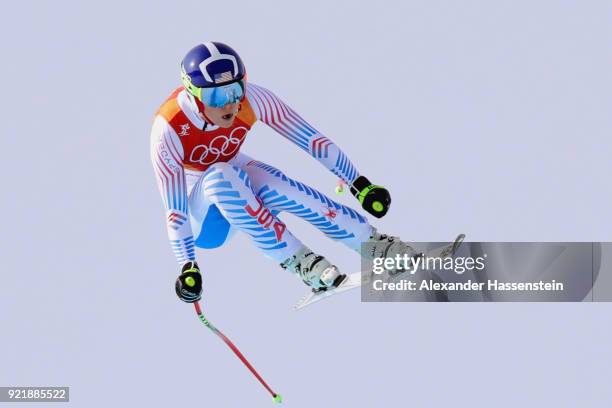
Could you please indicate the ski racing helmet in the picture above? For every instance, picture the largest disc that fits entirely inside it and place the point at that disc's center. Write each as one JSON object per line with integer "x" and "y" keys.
{"x": 214, "y": 73}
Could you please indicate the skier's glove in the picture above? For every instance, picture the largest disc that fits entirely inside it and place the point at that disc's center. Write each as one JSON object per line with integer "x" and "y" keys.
{"x": 189, "y": 283}
{"x": 374, "y": 199}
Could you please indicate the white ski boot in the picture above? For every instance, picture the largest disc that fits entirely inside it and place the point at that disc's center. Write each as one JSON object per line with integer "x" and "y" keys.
{"x": 386, "y": 246}
{"x": 316, "y": 271}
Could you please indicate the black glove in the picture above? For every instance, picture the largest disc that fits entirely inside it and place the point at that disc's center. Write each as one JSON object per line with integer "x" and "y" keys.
{"x": 374, "y": 199}
{"x": 189, "y": 283}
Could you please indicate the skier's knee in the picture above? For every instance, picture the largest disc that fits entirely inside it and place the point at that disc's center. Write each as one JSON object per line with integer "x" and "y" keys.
{"x": 227, "y": 171}
{"x": 262, "y": 171}
{"x": 224, "y": 180}
{"x": 222, "y": 167}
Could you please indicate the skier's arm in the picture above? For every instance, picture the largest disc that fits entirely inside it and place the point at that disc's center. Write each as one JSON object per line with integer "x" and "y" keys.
{"x": 167, "y": 158}
{"x": 272, "y": 111}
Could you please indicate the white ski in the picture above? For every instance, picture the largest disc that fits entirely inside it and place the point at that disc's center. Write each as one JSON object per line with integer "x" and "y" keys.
{"x": 353, "y": 280}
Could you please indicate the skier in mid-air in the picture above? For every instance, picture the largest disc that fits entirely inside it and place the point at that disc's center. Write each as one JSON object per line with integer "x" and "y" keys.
{"x": 211, "y": 189}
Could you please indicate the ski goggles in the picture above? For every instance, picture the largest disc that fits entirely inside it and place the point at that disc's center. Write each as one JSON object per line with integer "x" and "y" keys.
{"x": 220, "y": 96}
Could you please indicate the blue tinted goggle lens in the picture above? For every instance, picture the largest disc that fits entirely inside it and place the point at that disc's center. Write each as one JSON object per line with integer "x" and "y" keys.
{"x": 220, "y": 96}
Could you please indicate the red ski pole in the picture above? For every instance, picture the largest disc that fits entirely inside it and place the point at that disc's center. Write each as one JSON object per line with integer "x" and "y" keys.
{"x": 276, "y": 397}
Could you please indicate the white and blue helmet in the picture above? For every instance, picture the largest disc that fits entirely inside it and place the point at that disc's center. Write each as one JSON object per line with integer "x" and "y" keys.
{"x": 214, "y": 73}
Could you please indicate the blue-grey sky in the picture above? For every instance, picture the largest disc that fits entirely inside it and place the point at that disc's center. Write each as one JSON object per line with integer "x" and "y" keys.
{"x": 488, "y": 118}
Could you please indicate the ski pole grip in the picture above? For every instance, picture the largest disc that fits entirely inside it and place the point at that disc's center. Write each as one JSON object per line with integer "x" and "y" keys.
{"x": 359, "y": 184}
{"x": 374, "y": 199}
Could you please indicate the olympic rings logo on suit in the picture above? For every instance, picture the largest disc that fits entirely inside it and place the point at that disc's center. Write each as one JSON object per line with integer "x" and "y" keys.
{"x": 220, "y": 147}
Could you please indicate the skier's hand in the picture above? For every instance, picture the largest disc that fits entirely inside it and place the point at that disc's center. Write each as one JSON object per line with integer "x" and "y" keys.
{"x": 189, "y": 283}
{"x": 374, "y": 199}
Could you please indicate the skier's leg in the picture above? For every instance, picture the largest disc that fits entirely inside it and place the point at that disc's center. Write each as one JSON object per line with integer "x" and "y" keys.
{"x": 228, "y": 188}
{"x": 339, "y": 222}
{"x": 281, "y": 193}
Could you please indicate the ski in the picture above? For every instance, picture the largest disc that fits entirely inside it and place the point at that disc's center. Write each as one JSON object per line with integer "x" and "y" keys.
{"x": 354, "y": 280}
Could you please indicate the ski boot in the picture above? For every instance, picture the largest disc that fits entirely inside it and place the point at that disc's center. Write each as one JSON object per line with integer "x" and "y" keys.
{"x": 316, "y": 271}
{"x": 386, "y": 246}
